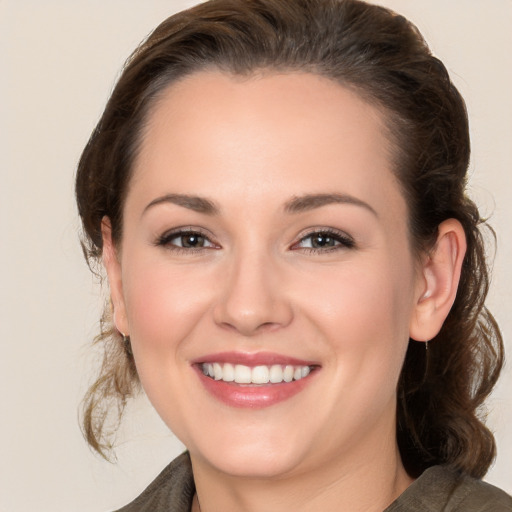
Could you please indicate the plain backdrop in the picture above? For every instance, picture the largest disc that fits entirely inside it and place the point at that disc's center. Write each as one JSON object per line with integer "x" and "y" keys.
{"x": 58, "y": 62}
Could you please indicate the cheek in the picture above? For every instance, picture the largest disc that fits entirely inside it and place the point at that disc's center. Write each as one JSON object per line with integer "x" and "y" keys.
{"x": 163, "y": 304}
{"x": 365, "y": 313}
{"x": 370, "y": 333}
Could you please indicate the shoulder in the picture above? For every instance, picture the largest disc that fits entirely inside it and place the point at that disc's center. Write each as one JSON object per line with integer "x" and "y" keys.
{"x": 173, "y": 489}
{"x": 442, "y": 489}
{"x": 480, "y": 496}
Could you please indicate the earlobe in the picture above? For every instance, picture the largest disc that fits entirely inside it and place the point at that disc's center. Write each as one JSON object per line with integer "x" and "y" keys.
{"x": 438, "y": 282}
{"x": 114, "y": 275}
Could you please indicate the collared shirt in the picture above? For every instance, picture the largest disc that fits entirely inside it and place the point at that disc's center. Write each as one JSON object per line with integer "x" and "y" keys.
{"x": 438, "y": 489}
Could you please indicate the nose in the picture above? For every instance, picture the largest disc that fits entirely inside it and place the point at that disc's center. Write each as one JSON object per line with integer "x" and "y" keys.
{"x": 253, "y": 298}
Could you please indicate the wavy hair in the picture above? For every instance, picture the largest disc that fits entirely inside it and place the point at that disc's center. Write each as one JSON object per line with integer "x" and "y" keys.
{"x": 383, "y": 58}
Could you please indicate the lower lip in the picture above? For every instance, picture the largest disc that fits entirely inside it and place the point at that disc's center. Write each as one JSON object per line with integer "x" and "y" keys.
{"x": 253, "y": 396}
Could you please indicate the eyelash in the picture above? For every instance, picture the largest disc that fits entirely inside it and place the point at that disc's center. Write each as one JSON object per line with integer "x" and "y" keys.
{"x": 165, "y": 240}
{"x": 342, "y": 241}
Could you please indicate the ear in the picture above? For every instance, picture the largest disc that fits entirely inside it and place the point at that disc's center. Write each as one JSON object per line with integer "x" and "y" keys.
{"x": 113, "y": 268}
{"x": 438, "y": 281}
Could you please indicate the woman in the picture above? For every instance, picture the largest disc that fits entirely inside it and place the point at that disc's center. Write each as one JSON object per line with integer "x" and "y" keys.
{"x": 276, "y": 190}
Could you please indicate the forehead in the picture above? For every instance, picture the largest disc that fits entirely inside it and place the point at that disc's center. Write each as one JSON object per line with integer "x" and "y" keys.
{"x": 295, "y": 132}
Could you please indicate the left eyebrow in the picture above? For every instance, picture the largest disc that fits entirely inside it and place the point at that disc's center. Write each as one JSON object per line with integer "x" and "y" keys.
{"x": 311, "y": 201}
{"x": 195, "y": 203}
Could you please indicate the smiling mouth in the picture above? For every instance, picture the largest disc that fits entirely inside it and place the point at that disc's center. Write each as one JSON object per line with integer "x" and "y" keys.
{"x": 254, "y": 381}
{"x": 259, "y": 375}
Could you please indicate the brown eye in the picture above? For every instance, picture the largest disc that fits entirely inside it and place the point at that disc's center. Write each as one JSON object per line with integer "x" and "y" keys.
{"x": 319, "y": 240}
{"x": 325, "y": 240}
{"x": 192, "y": 240}
{"x": 185, "y": 240}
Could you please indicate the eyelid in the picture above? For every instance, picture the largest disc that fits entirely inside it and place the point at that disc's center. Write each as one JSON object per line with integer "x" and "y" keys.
{"x": 345, "y": 240}
{"x": 164, "y": 239}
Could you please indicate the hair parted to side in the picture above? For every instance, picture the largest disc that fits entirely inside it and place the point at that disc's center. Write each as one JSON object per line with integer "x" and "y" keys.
{"x": 382, "y": 57}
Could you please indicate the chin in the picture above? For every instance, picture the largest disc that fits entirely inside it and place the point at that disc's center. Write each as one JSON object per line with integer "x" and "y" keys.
{"x": 255, "y": 463}
{"x": 251, "y": 452}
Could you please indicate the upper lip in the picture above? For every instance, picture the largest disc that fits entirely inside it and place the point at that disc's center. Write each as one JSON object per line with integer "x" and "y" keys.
{"x": 253, "y": 359}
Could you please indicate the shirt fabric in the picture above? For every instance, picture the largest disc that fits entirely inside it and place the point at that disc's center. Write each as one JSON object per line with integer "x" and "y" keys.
{"x": 438, "y": 489}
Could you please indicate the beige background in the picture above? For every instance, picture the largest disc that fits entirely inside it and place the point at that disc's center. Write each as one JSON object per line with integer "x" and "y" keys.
{"x": 58, "y": 62}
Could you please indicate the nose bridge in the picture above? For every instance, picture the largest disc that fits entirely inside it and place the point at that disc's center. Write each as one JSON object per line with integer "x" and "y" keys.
{"x": 252, "y": 296}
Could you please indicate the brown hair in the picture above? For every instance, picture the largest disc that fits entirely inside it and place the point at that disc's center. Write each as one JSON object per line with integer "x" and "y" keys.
{"x": 384, "y": 59}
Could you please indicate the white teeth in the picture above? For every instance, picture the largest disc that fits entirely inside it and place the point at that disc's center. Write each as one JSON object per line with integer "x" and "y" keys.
{"x": 217, "y": 371}
{"x": 243, "y": 374}
{"x": 228, "y": 373}
{"x": 304, "y": 371}
{"x": 288, "y": 374}
{"x": 276, "y": 374}
{"x": 262, "y": 374}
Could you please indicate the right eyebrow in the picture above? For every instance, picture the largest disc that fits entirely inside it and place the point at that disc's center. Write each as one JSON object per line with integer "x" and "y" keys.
{"x": 308, "y": 202}
{"x": 196, "y": 203}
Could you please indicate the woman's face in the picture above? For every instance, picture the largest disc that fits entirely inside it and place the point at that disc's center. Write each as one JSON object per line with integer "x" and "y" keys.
{"x": 265, "y": 240}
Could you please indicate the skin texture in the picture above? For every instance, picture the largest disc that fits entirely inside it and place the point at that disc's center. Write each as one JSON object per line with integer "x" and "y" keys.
{"x": 250, "y": 146}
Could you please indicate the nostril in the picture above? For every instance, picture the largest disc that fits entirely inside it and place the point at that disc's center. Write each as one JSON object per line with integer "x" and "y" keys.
{"x": 250, "y": 329}
{"x": 269, "y": 326}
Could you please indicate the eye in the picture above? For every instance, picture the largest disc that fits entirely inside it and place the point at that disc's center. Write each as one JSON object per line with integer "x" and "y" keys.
{"x": 185, "y": 240}
{"x": 324, "y": 241}
{"x": 190, "y": 240}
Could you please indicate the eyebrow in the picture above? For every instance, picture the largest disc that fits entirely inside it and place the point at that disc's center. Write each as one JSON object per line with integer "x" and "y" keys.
{"x": 295, "y": 205}
{"x": 311, "y": 201}
{"x": 195, "y": 203}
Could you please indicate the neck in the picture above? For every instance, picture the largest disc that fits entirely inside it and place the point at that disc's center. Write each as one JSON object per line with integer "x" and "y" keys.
{"x": 367, "y": 481}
